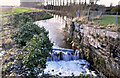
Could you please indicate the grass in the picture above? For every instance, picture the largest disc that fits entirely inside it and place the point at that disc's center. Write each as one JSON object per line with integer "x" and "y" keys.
{"x": 17, "y": 10}
{"x": 21, "y": 10}
{"x": 7, "y": 11}
{"x": 107, "y": 19}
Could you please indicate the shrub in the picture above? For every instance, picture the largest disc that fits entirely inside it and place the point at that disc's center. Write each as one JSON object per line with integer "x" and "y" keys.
{"x": 46, "y": 16}
{"x": 39, "y": 48}
{"x": 116, "y": 9}
{"x": 26, "y": 32}
{"x": 18, "y": 20}
{"x": 94, "y": 9}
{"x": 108, "y": 9}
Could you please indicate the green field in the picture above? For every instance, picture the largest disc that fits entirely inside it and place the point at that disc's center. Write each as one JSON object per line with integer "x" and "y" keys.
{"x": 107, "y": 19}
{"x": 6, "y": 11}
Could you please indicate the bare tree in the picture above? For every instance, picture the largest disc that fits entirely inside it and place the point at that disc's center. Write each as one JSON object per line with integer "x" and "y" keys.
{"x": 85, "y": 2}
{"x": 74, "y": 1}
{"x": 79, "y": 1}
{"x": 93, "y": 1}
{"x": 70, "y": 1}
{"x": 111, "y": 5}
{"x": 67, "y": 2}
{"x": 96, "y": 1}
{"x": 63, "y": 2}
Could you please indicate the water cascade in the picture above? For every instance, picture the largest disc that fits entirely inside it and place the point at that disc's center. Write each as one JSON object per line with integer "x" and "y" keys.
{"x": 67, "y": 62}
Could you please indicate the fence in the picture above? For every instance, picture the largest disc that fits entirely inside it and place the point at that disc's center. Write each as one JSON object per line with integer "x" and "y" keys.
{"x": 94, "y": 15}
{"x": 103, "y": 18}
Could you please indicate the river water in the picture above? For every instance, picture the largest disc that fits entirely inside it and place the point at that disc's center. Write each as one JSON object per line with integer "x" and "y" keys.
{"x": 55, "y": 27}
{"x": 66, "y": 62}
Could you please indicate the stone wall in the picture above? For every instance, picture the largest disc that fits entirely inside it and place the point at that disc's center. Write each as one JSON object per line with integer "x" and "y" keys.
{"x": 99, "y": 46}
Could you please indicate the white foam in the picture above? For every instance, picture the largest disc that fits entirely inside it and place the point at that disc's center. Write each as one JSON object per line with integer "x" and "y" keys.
{"x": 66, "y": 68}
{"x": 2, "y": 53}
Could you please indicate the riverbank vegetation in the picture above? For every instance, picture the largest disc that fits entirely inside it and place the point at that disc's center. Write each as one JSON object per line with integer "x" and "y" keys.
{"x": 27, "y": 46}
{"x": 15, "y": 15}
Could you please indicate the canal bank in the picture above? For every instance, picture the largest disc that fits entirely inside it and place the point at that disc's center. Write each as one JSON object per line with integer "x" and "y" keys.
{"x": 99, "y": 46}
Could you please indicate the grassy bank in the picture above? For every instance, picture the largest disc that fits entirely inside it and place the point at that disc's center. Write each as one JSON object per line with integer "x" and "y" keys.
{"x": 6, "y": 11}
{"x": 106, "y": 20}
{"x": 36, "y": 14}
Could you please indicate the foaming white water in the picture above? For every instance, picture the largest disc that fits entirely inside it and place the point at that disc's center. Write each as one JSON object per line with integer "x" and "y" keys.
{"x": 68, "y": 68}
{"x": 2, "y": 53}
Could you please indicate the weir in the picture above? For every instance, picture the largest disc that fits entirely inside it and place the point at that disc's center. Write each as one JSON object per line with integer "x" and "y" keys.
{"x": 67, "y": 62}
{"x": 64, "y": 54}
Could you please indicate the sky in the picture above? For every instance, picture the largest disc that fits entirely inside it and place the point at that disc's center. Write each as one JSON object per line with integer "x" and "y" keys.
{"x": 108, "y": 2}
{"x": 17, "y": 2}
{"x": 9, "y": 2}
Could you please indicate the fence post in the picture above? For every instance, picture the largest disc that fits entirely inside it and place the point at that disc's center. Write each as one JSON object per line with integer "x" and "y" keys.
{"x": 101, "y": 15}
{"x": 116, "y": 18}
{"x": 93, "y": 16}
{"x": 78, "y": 13}
{"x": 88, "y": 14}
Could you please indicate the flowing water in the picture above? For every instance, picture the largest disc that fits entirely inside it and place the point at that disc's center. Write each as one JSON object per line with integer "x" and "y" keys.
{"x": 55, "y": 27}
{"x": 64, "y": 62}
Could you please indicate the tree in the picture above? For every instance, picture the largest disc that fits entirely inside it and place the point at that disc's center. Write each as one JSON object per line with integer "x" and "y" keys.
{"x": 85, "y": 2}
{"x": 116, "y": 9}
{"x": 93, "y": 1}
{"x": 96, "y": 1}
{"x": 70, "y": 1}
{"x": 111, "y": 5}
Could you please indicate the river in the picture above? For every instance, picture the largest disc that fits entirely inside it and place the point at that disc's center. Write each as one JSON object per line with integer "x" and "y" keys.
{"x": 70, "y": 64}
{"x": 55, "y": 28}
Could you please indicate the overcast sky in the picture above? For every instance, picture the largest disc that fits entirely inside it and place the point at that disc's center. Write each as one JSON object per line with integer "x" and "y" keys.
{"x": 108, "y": 2}
{"x": 17, "y": 2}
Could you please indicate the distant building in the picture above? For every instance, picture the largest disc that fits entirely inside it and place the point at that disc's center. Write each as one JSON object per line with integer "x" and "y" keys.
{"x": 31, "y": 3}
